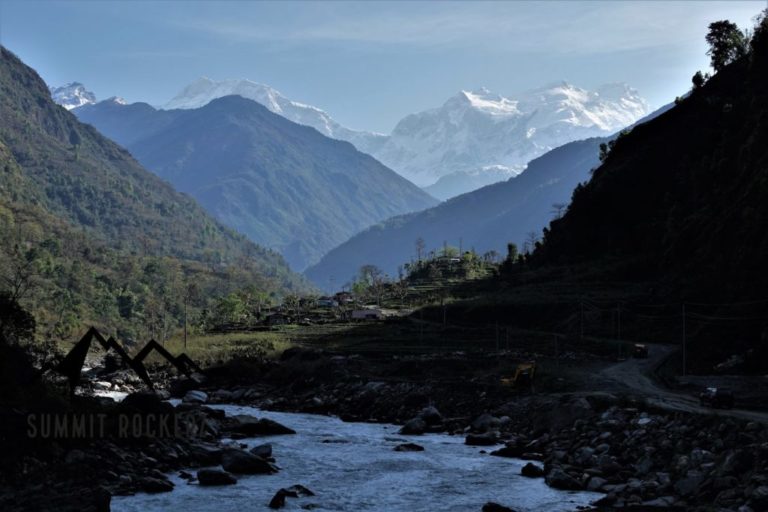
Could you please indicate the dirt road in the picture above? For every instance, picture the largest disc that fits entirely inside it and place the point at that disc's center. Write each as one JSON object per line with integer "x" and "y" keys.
{"x": 636, "y": 374}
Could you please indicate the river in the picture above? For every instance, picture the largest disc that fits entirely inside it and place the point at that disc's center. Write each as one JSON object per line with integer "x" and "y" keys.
{"x": 352, "y": 467}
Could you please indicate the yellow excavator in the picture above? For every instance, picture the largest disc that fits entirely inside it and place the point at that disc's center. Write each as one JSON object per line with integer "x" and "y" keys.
{"x": 523, "y": 377}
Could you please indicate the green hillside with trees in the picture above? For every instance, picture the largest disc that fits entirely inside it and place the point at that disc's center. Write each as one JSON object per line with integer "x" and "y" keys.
{"x": 90, "y": 237}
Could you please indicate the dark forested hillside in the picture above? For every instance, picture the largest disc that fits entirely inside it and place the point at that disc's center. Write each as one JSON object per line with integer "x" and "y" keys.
{"x": 90, "y": 236}
{"x": 685, "y": 194}
{"x": 485, "y": 219}
{"x": 283, "y": 185}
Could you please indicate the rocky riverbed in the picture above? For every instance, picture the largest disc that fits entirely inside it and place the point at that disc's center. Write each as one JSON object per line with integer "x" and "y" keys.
{"x": 365, "y": 467}
{"x": 618, "y": 445}
{"x": 632, "y": 454}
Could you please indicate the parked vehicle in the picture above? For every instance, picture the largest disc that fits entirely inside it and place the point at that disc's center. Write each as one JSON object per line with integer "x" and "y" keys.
{"x": 718, "y": 398}
{"x": 640, "y": 351}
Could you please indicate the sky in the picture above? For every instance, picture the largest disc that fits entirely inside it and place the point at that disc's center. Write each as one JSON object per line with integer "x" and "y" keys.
{"x": 368, "y": 64}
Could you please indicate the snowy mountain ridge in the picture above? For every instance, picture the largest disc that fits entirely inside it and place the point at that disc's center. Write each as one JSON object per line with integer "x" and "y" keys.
{"x": 204, "y": 90}
{"x": 474, "y": 138}
{"x": 72, "y": 95}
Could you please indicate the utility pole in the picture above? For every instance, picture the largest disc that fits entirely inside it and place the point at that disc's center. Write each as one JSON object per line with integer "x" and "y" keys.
{"x": 581, "y": 323}
{"x": 684, "y": 340}
{"x": 185, "y": 322}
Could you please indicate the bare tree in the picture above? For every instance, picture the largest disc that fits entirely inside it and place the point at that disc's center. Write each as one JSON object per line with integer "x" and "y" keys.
{"x": 420, "y": 245}
{"x": 558, "y": 209}
{"x": 530, "y": 241}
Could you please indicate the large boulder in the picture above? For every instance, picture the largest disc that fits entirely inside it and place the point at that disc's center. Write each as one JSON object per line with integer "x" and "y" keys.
{"x": 195, "y": 397}
{"x": 414, "y": 427}
{"x": 212, "y": 477}
{"x": 205, "y": 454}
{"x": 146, "y": 402}
{"x": 559, "y": 479}
{"x": 250, "y": 426}
{"x": 242, "y": 462}
{"x": 263, "y": 450}
{"x": 485, "y": 422}
{"x": 532, "y": 470}
{"x": 431, "y": 416}
{"x": 154, "y": 485}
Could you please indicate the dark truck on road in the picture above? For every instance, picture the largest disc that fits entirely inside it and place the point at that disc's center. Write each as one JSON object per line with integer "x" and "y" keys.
{"x": 718, "y": 398}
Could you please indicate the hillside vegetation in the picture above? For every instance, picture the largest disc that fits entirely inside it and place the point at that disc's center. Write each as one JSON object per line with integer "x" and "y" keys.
{"x": 89, "y": 236}
{"x": 284, "y": 185}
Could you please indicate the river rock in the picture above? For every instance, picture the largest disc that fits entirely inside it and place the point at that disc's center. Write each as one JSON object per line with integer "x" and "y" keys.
{"x": 416, "y": 426}
{"x": 195, "y": 397}
{"x": 409, "y": 447}
{"x": 431, "y": 416}
{"x": 596, "y": 483}
{"x": 205, "y": 454}
{"x": 278, "y": 500}
{"x": 532, "y": 470}
{"x": 486, "y": 439}
{"x": 179, "y": 387}
{"x": 154, "y": 485}
{"x": 145, "y": 402}
{"x": 250, "y": 426}
{"x": 242, "y": 462}
{"x": 559, "y": 479}
{"x": 263, "y": 450}
{"x": 211, "y": 477}
{"x": 485, "y": 422}
{"x": 300, "y": 490}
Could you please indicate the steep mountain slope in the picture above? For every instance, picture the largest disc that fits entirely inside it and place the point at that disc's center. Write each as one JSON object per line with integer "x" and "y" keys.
{"x": 485, "y": 219}
{"x": 96, "y": 237}
{"x": 284, "y": 185}
{"x": 459, "y": 182}
{"x": 204, "y": 90}
{"x": 476, "y": 129}
{"x": 685, "y": 193}
{"x": 72, "y": 95}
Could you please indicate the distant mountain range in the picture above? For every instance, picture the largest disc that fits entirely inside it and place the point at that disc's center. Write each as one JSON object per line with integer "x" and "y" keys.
{"x": 474, "y": 139}
{"x": 484, "y": 220}
{"x": 204, "y": 90}
{"x": 479, "y": 129}
{"x": 284, "y": 185}
{"x": 464, "y": 143}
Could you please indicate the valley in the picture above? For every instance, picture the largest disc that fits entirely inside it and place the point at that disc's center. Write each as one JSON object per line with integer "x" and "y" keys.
{"x": 553, "y": 300}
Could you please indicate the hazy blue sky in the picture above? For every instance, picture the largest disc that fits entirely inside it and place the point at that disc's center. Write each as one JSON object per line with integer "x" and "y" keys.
{"x": 368, "y": 64}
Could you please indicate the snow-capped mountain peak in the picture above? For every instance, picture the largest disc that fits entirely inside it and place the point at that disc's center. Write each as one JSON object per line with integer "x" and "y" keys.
{"x": 72, "y": 95}
{"x": 480, "y": 129}
{"x": 204, "y": 90}
{"x": 494, "y": 104}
